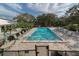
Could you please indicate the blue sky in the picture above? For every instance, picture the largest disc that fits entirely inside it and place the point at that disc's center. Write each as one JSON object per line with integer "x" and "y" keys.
{"x": 11, "y": 10}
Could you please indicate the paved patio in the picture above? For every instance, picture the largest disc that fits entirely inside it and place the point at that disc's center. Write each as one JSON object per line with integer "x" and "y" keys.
{"x": 22, "y": 44}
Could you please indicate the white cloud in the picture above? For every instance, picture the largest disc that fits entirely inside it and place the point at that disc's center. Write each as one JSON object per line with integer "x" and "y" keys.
{"x": 15, "y": 6}
{"x": 5, "y": 11}
{"x": 39, "y": 7}
{"x": 57, "y": 8}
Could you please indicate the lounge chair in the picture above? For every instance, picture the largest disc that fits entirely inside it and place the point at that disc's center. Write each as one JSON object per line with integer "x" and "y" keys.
{"x": 10, "y": 38}
{"x": 17, "y": 34}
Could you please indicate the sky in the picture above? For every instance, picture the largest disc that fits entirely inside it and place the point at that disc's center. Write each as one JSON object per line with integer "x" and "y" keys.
{"x": 11, "y": 10}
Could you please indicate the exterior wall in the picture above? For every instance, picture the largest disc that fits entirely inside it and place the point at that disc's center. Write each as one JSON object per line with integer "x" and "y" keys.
{"x": 33, "y": 53}
{"x": 19, "y": 53}
{"x": 49, "y": 53}
{"x": 64, "y": 53}
{"x": 10, "y": 53}
{"x": 27, "y": 53}
{"x": 76, "y": 53}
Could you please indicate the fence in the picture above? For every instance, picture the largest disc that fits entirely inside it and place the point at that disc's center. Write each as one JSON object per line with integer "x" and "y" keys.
{"x": 64, "y": 53}
{"x": 17, "y": 53}
{"x": 33, "y": 53}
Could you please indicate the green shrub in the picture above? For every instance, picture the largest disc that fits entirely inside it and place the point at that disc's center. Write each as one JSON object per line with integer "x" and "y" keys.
{"x": 72, "y": 27}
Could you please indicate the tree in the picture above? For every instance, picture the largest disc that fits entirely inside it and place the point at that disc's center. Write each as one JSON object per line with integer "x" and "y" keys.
{"x": 45, "y": 20}
{"x": 72, "y": 20}
{"x": 25, "y": 20}
{"x": 74, "y": 11}
{"x": 73, "y": 14}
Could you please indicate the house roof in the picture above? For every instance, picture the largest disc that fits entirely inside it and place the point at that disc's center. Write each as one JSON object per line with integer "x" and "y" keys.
{"x": 4, "y": 22}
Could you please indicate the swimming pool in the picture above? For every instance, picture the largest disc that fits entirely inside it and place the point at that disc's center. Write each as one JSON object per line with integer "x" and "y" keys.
{"x": 43, "y": 33}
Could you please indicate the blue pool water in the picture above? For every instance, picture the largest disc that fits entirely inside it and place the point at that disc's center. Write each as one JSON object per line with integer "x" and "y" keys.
{"x": 43, "y": 33}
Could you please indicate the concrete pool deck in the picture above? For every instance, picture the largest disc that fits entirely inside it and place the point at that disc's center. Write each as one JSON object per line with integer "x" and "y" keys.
{"x": 22, "y": 40}
{"x": 22, "y": 44}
